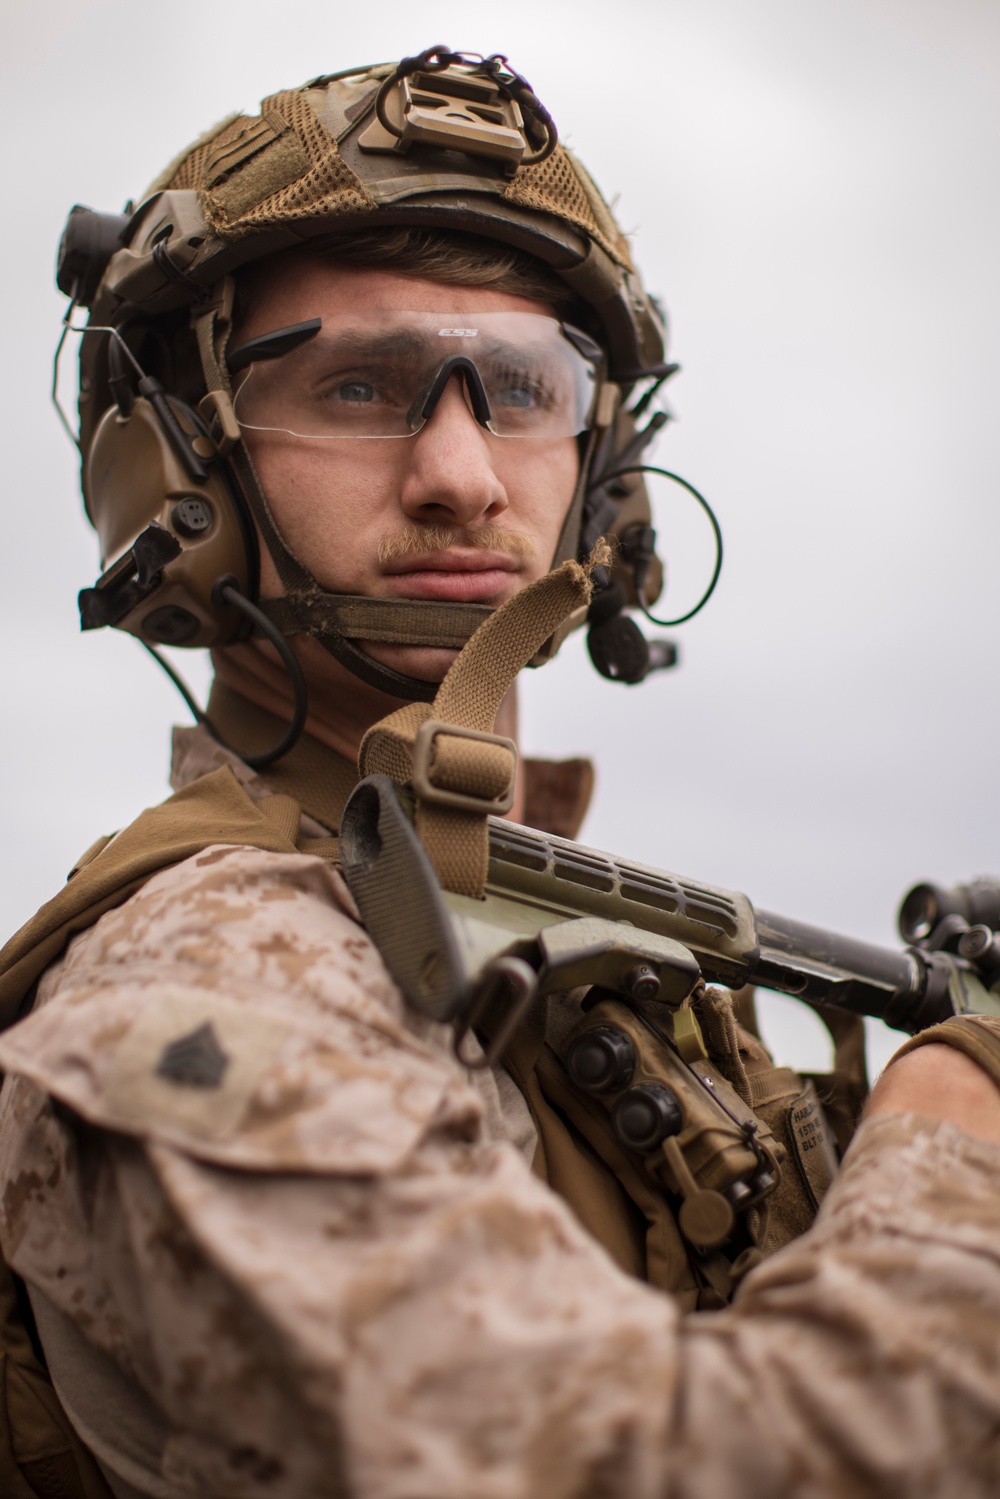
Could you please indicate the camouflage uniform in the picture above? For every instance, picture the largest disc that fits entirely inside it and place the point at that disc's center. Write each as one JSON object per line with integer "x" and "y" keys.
{"x": 332, "y": 1270}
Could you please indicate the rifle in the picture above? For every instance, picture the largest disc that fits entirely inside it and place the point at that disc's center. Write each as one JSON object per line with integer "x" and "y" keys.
{"x": 558, "y": 915}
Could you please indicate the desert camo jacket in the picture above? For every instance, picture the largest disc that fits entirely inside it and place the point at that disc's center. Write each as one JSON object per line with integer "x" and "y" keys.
{"x": 332, "y": 1271}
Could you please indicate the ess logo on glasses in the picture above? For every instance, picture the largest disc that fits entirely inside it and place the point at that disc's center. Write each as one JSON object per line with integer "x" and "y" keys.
{"x": 457, "y": 332}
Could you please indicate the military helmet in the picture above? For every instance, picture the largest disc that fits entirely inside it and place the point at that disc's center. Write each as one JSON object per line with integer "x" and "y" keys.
{"x": 442, "y": 141}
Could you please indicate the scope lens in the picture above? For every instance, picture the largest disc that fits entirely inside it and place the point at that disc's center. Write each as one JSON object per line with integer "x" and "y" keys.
{"x": 919, "y": 913}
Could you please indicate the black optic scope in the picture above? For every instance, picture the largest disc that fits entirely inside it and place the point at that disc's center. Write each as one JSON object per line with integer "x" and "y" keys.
{"x": 927, "y": 906}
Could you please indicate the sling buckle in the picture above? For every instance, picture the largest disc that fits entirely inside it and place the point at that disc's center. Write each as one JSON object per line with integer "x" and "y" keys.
{"x": 423, "y": 769}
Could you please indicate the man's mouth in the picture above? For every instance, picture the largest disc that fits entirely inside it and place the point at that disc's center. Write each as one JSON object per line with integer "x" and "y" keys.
{"x": 466, "y": 575}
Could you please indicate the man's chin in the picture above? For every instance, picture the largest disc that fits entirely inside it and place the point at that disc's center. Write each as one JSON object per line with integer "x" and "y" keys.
{"x": 425, "y": 662}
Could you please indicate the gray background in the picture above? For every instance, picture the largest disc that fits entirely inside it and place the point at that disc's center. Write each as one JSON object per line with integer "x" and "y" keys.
{"x": 813, "y": 189}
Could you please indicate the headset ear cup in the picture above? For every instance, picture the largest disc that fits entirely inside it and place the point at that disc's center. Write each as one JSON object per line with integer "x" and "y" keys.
{"x": 166, "y": 537}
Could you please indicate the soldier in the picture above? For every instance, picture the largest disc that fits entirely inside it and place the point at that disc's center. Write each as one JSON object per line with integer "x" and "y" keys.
{"x": 360, "y": 380}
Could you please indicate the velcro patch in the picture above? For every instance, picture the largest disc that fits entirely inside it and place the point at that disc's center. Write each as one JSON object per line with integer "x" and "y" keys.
{"x": 279, "y": 162}
{"x": 239, "y": 141}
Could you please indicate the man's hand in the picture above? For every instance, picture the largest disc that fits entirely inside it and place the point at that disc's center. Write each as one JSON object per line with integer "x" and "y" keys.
{"x": 942, "y": 1083}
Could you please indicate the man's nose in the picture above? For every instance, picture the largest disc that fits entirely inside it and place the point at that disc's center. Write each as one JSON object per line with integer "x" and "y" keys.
{"x": 450, "y": 476}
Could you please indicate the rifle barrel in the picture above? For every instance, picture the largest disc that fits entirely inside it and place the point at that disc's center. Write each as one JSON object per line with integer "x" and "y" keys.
{"x": 823, "y": 967}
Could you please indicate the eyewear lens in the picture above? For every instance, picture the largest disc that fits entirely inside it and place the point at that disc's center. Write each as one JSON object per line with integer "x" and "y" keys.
{"x": 373, "y": 375}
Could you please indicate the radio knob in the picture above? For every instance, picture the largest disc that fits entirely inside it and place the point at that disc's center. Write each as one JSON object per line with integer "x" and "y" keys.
{"x": 646, "y": 1115}
{"x": 601, "y": 1059}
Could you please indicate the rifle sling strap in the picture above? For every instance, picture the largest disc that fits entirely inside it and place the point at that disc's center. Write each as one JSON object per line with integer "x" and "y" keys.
{"x": 460, "y": 770}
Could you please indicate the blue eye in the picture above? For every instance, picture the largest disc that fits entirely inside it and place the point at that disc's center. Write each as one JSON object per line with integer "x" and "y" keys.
{"x": 515, "y": 396}
{"x": 355, "y": 391}
{"x": 519, "y": 390}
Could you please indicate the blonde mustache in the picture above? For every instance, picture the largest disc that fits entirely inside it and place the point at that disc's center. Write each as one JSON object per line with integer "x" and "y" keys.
{"x": 411, "y": 540}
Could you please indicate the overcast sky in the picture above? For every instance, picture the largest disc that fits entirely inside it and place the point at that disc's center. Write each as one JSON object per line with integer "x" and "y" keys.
{"x": 813, "y": 189}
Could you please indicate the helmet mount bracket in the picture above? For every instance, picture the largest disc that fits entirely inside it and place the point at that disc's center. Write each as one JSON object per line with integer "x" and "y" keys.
{"x": 459, "y": 101}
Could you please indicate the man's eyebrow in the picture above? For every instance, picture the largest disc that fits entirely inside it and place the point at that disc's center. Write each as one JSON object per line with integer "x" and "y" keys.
{"x": 413, "y": 340}
{"x": 421, "y": 341}
{"x": 406, "y": 341}
{"x": 403, "y": 342}
{"x": 498, "y": 348}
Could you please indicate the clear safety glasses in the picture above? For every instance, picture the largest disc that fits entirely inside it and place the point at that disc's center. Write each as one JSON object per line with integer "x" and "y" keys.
{"x": 381, "y": 374}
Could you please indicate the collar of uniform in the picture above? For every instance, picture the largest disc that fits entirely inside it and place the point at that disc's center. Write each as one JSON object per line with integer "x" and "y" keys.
{"x": 317, "y": 777}
{"x": 557, "y": 792}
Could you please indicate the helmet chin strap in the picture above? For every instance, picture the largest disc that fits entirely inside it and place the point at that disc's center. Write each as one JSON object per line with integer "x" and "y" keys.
{"x": 339, "y": 620}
